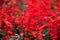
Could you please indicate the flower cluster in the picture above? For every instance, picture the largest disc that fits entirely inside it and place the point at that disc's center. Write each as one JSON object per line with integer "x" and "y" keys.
{"x": 40, "y": 20}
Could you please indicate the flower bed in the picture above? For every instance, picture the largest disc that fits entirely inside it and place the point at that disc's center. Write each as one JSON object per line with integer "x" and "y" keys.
{"x": 29, "y": 20}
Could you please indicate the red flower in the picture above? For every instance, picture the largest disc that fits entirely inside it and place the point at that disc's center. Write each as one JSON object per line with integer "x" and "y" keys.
{"x": 27, "y": 38}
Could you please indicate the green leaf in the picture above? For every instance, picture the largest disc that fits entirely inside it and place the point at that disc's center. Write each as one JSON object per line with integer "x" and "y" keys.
{"x": 45, "y": 31}
{"x": 0, "y": 36}
{"x": 46, "y": 38}
{"x": 1, "y": 32}
{"x": 14, "y": 38}
{"x": 16, "y": 31}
